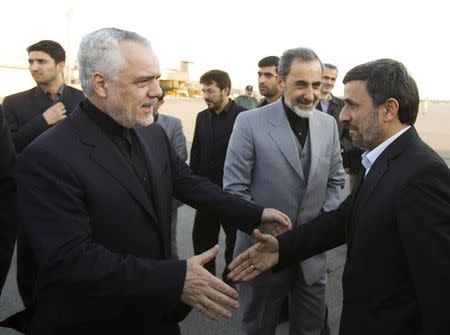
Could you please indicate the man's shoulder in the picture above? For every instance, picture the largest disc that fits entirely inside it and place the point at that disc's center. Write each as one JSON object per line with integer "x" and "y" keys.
{"x": 169, "y": 118}
{"x": 203, "y": 113}
{"x": 236, "y": 108}
{"x": 337, "y": 101}
{"x": 321, "y": 115}
{"x": 72, "y": 95}
{"x": 19, "y": 96}
{"x": 74, "y": 90}
{"x": 262, "y": 113}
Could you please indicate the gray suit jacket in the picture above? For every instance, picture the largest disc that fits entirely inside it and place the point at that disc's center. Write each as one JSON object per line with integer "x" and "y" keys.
{"x": 174, "y": 130}
{"x": 263, "y": 166}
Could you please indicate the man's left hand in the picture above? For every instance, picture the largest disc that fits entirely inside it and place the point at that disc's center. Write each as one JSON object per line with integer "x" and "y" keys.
{"x": 274, "y": 222}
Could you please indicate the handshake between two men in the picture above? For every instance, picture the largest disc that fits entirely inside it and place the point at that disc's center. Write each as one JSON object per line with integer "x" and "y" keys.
{"x": 210, "y": 295}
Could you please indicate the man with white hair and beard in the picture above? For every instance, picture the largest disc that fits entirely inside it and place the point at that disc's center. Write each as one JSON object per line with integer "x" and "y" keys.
{"x": 287, "y": 155}
{"x": 94, "y": 196}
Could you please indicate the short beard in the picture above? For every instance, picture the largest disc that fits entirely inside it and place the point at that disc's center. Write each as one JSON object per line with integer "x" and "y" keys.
{"x": 127, "y": 119}
{"x": 303, "y": 113}
{"x": 370, "y": 133}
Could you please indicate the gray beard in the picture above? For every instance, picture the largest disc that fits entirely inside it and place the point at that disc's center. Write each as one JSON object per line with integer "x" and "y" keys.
{"x": 304, "y": 114}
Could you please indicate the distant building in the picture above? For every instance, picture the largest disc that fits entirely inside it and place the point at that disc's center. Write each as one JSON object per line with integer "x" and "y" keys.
{"x": 177, "y": 82}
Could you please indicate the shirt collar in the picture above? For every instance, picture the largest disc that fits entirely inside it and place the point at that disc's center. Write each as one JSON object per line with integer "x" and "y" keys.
{"x": 369, "y": 157}
{"x": 226, "y": 110}
{"x": 289, "y": 112}
{"x": 58, "y": 93}
{"x": 103, "y": 120}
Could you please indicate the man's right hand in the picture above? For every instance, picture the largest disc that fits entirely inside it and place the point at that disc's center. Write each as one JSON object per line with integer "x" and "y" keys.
{"x": 256, "y": 259}
{"x": 205, "y": 292}
{"x": 55, "y": 113}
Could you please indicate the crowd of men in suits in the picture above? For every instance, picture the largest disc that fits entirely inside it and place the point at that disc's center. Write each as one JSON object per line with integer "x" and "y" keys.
{"x": 100, "y": 174}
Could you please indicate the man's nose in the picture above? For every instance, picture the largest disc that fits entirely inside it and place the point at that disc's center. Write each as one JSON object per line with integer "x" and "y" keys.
{"x": 154, "y": 90}
{"x": 344, "y": 115}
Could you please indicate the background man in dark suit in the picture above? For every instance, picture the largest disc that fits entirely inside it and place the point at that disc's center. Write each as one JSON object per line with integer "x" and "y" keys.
{"x": 328, "y": 103}
{"x": 212, "y": 133}
{"x": 7, "y": 199}
{"x": 95, "y": 195}
{"x": 401, "y": 202}
{"x": 29, "y": 114}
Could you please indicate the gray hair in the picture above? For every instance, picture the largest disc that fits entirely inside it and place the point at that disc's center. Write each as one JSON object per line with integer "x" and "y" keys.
{"x": 286, "y": 59}
{"x": 99, "y": 52}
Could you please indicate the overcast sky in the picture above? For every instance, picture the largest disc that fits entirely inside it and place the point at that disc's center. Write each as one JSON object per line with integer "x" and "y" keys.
{"x": 233, "y": 35}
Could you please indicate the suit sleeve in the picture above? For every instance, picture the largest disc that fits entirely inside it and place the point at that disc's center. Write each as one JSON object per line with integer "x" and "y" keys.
{"x": 7, "y": 199}
{"x": 336, "y": 175}
{"x": 55, "y": 219}
{"x": 194, "y": 161}
{"x": 200, "y": 193}
{"x": 325, "y": 232}
{"x": 179, "y": 140}
{"x": 240, "y": 159}
{"x": 23, "y": 134}
{"x": 423, "y": 216}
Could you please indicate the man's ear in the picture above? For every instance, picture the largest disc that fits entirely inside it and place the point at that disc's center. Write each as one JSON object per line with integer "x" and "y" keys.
{"x": 282, "y": 84}
{"x": 60, "y": 66}
{"x": 391, "y": 109}
{"x": 278, "y": 80}
{"x": 99, "y": 84}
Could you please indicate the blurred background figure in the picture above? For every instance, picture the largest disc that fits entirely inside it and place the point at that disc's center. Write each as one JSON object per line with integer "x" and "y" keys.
{"x": 247, "y": 101}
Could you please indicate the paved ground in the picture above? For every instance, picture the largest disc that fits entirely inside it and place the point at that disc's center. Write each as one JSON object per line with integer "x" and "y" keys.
{"x": 197, "y": 324}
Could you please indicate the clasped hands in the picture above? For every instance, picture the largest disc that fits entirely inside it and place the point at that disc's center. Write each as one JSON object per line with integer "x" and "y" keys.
{"x": 210, "y": 295}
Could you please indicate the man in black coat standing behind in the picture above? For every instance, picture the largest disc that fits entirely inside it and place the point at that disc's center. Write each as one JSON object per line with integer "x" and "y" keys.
{"x": 29, "y": 114}
{"x": 32, "y": 112}
{"x": 212, "y": 133}
{"x": 7, "y": 199}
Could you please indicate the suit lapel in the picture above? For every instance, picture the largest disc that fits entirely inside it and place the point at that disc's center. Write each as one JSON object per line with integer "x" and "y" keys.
{"x": 40, "y": 99}
{"x": 105, "y": 154}
{"x": 156, "y": 167}
{"x": 315, "y": 143}
{"x": 374, "y": 176}
{"x": 281, "y": 133}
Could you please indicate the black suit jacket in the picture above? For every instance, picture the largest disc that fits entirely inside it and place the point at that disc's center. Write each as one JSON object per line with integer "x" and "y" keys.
{"x": 351, "y": 155}
{"x": 24, "y": 112}
{"x": 334, "y": 110}
{"x": 208, "y": 156}
{"x": 396, "y": 225}
{"x": 101, "y": 245}
{"x": 7, "y": 199}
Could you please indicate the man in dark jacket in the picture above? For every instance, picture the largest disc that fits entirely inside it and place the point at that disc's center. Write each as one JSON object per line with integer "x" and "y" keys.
{"x": 29, "y": 114}
{"x": 396, "y": 222}
{"x": 95, "y": 200}
{"x": 7, "y": 199}
{"x": 212, "y": 133}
